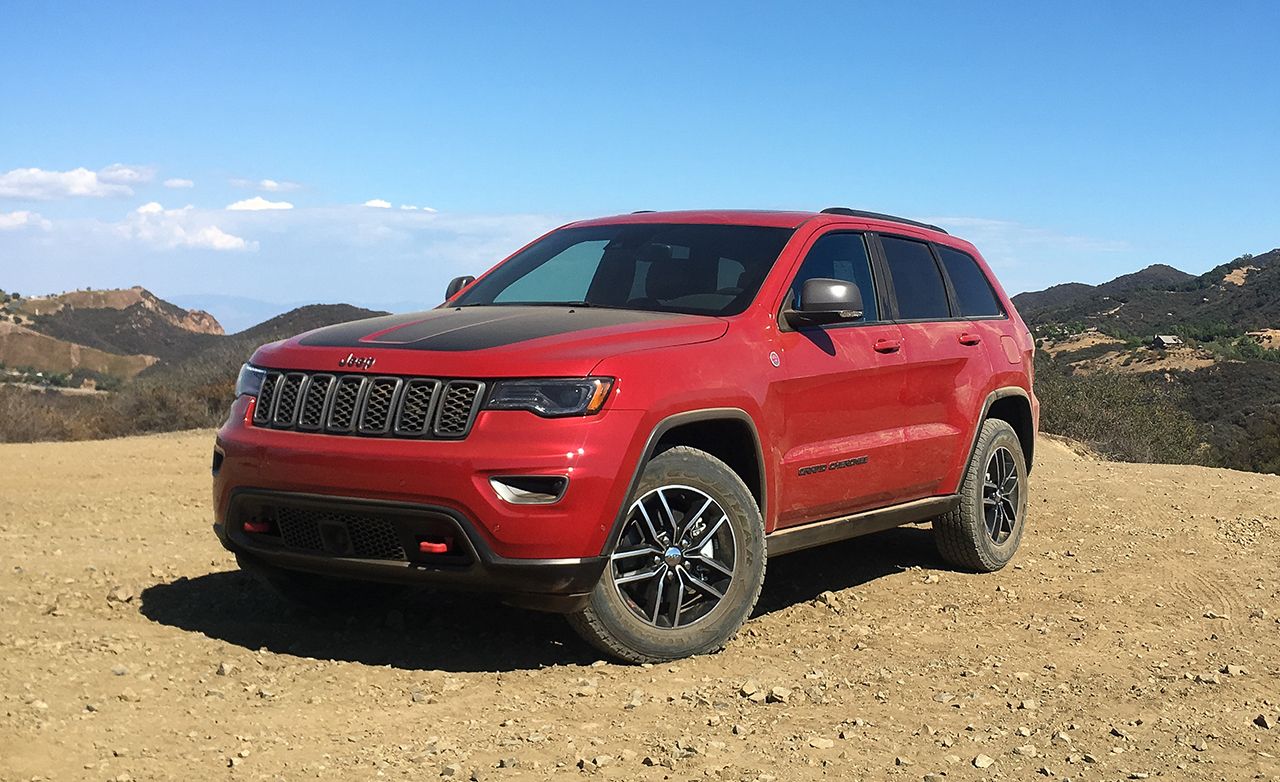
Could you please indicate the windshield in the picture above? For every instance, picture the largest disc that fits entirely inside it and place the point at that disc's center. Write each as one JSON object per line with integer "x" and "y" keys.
{"x": 694, "y": 269}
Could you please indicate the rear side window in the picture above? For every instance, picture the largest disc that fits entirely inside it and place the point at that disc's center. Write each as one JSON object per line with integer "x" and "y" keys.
{"x": 841, "y": 256}
{"x": 973, "y": 291}
{"x": 917, "y": 282}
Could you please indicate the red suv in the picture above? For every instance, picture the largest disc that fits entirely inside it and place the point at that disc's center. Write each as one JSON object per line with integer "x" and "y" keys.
{"x": 626, "y": 418}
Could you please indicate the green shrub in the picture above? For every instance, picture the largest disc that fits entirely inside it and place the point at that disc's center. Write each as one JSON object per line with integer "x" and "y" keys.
{"x": 1122, "y": 416}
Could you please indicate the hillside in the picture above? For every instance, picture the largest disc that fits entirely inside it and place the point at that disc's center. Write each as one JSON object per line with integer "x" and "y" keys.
{"x": 183, "y": 376}
{"x": 1136, "y": 635}
{"x": 1215, "y": 398}
{"x": 99, "y": 334}
{"x": 1235, "y": 297}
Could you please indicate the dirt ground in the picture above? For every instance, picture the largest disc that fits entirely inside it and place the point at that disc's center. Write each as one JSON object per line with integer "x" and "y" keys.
{"x": 1135, "y": 636}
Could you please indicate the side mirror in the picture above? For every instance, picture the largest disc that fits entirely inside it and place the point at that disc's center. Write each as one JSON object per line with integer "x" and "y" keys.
{"x": 457, "y": 284}
{"x": 825, "y": 301}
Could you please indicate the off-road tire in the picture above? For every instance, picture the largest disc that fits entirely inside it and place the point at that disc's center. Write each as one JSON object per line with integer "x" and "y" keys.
{"x": 321, "y": 594}
{"x": 962, "y": 536}
{"x": 608, "y": 624}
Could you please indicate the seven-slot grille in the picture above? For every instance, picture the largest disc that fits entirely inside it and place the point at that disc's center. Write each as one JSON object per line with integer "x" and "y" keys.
{"x": 417, "y": 407}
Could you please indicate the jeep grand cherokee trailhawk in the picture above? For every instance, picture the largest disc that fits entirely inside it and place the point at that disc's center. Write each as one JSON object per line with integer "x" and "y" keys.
{"x": 626, "y": 418}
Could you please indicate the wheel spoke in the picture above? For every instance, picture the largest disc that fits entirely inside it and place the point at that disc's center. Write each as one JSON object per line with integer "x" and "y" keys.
{"x": 673, "y": 614}
{"x": 703, "y": 587}
{"x": 645, "y": 575}
{"x": 1010, "y": 512}
{"x": 657, "y": 598}
{"x": 648, "y": 522}
{"x": 671, "y": 516}
{"x": 636, "y": 552}
{"x": 711, "y": 562}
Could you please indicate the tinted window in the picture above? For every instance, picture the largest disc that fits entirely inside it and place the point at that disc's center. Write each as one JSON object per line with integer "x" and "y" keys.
{"x": 839, "y": 257}
{"x": 973, "y": 292}
{"x": 697, "y": 269}
{"x": 917, "y": 282}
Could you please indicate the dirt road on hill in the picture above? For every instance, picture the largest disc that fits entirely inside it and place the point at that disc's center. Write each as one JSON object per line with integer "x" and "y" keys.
{"x": 1136, "y": 636}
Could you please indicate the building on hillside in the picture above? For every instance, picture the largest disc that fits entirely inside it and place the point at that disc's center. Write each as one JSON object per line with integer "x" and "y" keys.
{"x": 1165, "y": 341}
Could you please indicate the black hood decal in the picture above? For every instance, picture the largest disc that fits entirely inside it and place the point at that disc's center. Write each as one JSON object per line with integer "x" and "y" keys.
{"x": 473, "y": 328}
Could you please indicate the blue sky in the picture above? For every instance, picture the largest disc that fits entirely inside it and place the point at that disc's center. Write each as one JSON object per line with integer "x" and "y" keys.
{"x": 1070, "y": 142}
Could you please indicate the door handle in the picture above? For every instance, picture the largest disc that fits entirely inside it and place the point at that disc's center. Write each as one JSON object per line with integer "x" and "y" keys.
{"x": 969, "y": 339}
{"x": 888, "y": 345}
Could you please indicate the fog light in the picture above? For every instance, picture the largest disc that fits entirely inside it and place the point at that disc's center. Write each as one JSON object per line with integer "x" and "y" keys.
{"x": 529, "y": 489}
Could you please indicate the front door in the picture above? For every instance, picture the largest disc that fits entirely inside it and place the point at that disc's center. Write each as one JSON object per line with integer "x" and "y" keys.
{"x": 839, "y": 395}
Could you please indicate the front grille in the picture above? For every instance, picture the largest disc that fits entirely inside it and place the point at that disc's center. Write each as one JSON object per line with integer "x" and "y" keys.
{"x": 382, "y": 405}
{"x": 342, "y": 534}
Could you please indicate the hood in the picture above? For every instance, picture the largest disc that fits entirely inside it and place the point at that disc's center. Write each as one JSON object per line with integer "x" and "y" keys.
{"x": 490, "y": 341}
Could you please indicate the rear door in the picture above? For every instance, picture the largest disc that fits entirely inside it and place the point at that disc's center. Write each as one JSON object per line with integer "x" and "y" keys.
{"x": 838, "y": 396}
{"x": 945, "y": 363}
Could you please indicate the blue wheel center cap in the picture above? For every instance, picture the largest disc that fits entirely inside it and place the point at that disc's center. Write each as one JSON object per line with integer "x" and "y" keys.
{"x": 673, "y": 556}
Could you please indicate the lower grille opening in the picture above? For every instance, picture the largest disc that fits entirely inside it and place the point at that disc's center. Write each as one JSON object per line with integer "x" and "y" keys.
{"x": 313, "y": 527}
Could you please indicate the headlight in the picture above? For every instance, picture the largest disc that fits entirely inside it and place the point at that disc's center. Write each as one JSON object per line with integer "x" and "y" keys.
{"x": 552, "y": 397}
{"x": 250, "y": 380}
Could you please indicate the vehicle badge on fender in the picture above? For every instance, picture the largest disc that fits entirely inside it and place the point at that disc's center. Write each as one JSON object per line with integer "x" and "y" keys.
{"x": 357, "y": 362}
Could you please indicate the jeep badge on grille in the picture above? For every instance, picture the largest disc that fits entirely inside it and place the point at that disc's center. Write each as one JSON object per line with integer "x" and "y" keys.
{"x": 357, "y": 362}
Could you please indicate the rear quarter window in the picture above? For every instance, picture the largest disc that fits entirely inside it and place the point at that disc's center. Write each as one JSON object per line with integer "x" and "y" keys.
{"x": 974, "y": 294}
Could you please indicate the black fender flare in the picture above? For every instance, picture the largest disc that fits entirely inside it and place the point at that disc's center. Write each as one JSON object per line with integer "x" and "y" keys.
{"x": 992, "y": 398}
{"x": 651, "y": 444}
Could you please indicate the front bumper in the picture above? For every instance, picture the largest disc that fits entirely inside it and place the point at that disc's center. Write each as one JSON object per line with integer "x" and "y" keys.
{"x": 529, "y": 550}
{"x": 549, "y": 584}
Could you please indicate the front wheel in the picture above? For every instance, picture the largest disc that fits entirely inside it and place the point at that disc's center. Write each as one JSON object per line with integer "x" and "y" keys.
{"x": 983, "y": 533}
{"x": 687, "y": 567}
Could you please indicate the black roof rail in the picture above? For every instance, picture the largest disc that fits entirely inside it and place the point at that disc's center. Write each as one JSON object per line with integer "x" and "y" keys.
{"x": 840, "y": 210}
{"x": 644, "y": 211}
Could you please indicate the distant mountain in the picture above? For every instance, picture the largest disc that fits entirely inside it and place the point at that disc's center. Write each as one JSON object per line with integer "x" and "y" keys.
{"x": 222, "y": 358}
{"x": 126, "y": 322}
{"x": 116, "y": 335}
{"x": 237, "y": 313}
{"x": 1241, "y": 295}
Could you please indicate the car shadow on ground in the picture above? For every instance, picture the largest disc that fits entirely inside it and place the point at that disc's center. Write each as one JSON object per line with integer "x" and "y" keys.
{"x": 460, "y": 632}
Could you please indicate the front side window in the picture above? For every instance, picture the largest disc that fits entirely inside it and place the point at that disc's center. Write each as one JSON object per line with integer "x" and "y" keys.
{"x": 686, "y": 268}
{"x": 839, "y": 256}
{"x": 974, "y": 295}
{"x": 917, "y": 283}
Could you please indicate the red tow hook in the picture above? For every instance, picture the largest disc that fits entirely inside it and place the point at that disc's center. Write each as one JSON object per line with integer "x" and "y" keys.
{"x": 435, "y": 546}
{"x": 257, "y": 527}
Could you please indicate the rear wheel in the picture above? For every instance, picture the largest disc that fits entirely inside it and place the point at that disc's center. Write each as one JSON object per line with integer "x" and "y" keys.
{"x": 318, "y": 593}
{"x": 687, "y": 567}
{"x": 983, "y": 533}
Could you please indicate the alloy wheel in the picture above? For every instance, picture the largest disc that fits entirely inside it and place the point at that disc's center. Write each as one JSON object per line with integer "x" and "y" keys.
{"x": 1001, "y": 492}
{"x": 675, "y": 558}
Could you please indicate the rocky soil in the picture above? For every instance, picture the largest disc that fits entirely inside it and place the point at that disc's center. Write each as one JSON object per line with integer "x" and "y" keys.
{"x": 1136, "y": 636}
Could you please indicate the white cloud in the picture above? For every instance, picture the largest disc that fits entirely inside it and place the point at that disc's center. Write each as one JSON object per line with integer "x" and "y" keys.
{"x": 258, "y": 204}
{"x": 266, "y": 185}
{"x": 412, "y": 208}
{"x": 169, "y": 229}
{"x": 378, "y": 203}
{"x": 12, "y": 221}
{"x": 36, "y": 184}
{"x": 120, "y": 174}
{"x": 179, "y": 184}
